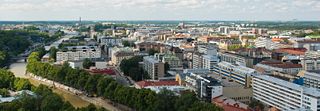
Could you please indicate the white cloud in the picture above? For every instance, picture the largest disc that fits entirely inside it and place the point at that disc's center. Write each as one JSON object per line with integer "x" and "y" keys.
{"x": 192, "y": 9}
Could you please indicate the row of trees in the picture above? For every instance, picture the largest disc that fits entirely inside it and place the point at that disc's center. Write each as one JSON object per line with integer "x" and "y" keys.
{"x": 138, "y": 99}
{"x": 45, "y": 99}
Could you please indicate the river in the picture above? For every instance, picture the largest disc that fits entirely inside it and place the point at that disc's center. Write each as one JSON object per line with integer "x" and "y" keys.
{"x": 19, "y": 69}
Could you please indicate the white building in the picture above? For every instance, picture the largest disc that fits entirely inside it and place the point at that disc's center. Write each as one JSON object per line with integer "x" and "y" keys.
{"x": 237, "y": 73}
{"x": 285, "y": 95}
{"x": 110, "y": 41}
{"x": 312, "y": 78}
{"x": 209, "y": 61}
{"x": 75, "y": 53}
{"x": 266, "y": 43}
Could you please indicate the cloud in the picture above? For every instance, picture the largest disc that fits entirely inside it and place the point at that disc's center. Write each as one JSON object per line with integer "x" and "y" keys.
{"x": 142, "y": 9}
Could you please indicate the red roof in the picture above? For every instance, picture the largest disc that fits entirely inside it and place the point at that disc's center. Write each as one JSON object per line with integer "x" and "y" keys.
{"x": 295, "y": 51}
{"x": 229, "y": 106}
{"x": 143, "y": 84}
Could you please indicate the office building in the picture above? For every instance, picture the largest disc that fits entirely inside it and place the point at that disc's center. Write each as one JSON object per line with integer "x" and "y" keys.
{"x": 285, "y": 95}
{"x": 206, "y": 88}
{"x": 237, "y": 73}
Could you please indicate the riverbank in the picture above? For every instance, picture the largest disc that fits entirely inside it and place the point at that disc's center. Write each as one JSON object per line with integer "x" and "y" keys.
{"x": 69, "y": 91}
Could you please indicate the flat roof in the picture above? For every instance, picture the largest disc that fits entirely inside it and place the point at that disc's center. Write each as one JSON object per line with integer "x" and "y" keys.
{"x": 306, "y": 90}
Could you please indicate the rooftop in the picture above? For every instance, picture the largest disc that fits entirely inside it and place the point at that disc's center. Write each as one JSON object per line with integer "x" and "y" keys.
{"x": 143, "y": 84}
{"x": 295, "y": 51}
{"x": 280, "y": 64}
{"x": 306, "y": 90}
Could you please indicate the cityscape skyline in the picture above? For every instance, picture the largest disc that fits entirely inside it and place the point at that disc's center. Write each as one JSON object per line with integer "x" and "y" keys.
{"x": 211, "y": 10}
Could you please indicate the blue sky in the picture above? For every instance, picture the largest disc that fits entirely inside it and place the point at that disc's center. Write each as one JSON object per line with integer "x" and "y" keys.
{"x": 159, "y": 9}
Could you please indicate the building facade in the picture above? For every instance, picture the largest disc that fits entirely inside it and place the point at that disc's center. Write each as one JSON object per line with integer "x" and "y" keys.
{"x": 75, "y": 53}
{"x": 285, "y": 95}
{"x": 311, "y": 78}
{"x": 154, "y": 67}
{"x": 237, "y": 73}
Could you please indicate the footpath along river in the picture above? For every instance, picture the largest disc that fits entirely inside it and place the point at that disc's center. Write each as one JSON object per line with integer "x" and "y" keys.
{"x": 19, "y": 69}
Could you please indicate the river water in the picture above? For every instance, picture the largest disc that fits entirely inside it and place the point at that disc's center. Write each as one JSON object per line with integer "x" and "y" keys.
{"x": 19, "y": 69}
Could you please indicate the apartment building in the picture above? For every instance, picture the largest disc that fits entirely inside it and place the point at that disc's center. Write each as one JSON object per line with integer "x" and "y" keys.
{"x": 311, "y": 60}
{"x": 237, "y": 73}
{"x": 154, "y": 67}
{"x": 285, "y": 95}
{"x": 197, "y": 59}
{"x": 75, "y": 53}
{"x": 239, "y": 59}
{"x": 119, "y": 54}
{"x": 311, "y": 78}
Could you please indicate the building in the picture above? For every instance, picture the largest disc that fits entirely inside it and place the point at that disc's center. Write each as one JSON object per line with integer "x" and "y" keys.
{"x": 109, "y": 41}
{"x": 209, "y": 61}
{"x": 147, "y": 46}
{"x": 311, "y": 60}
{"x": 226, "y": 29}
{"x": 75, "y": 53}
{"x": 237, "y": 73}
{"x": 206, "y": 88}
{"x": 154, "y": 67}
{"x": 270, "y": 66}
{"x": 288, "y": 54}
{"x": 311, "y": 78}
{"x": 197, "y": 59}
{"x": 266, "y": 43}
{"x": 285, "y": 95}
{"x": 119, "y": 54}
{"x": 243, "y": 60}
{"x": 76, "y": 64}
{"x": 171, "y": 59}
{"x": 310, "y": 45}
{"x": 225, "y": 44}
{"x": 230, "y": 104}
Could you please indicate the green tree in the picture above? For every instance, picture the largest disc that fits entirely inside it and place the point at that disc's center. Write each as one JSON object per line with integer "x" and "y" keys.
{"x": 152, "y": 51}
{"x": 51, "y": 102}
{"x": 6, "y": 79}
{"x": 4, "y": 92}
{"x": 22, "y": 84}
{"x": 87, "y": 63}
{"x": 53, "y": 53}
{"x": 165, "y": 100}
{"x": 3, "y": 58}
{"x": 184, "y": 101}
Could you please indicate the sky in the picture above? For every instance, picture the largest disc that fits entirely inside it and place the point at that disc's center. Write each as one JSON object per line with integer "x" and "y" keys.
{"x": 253, "y": 10}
